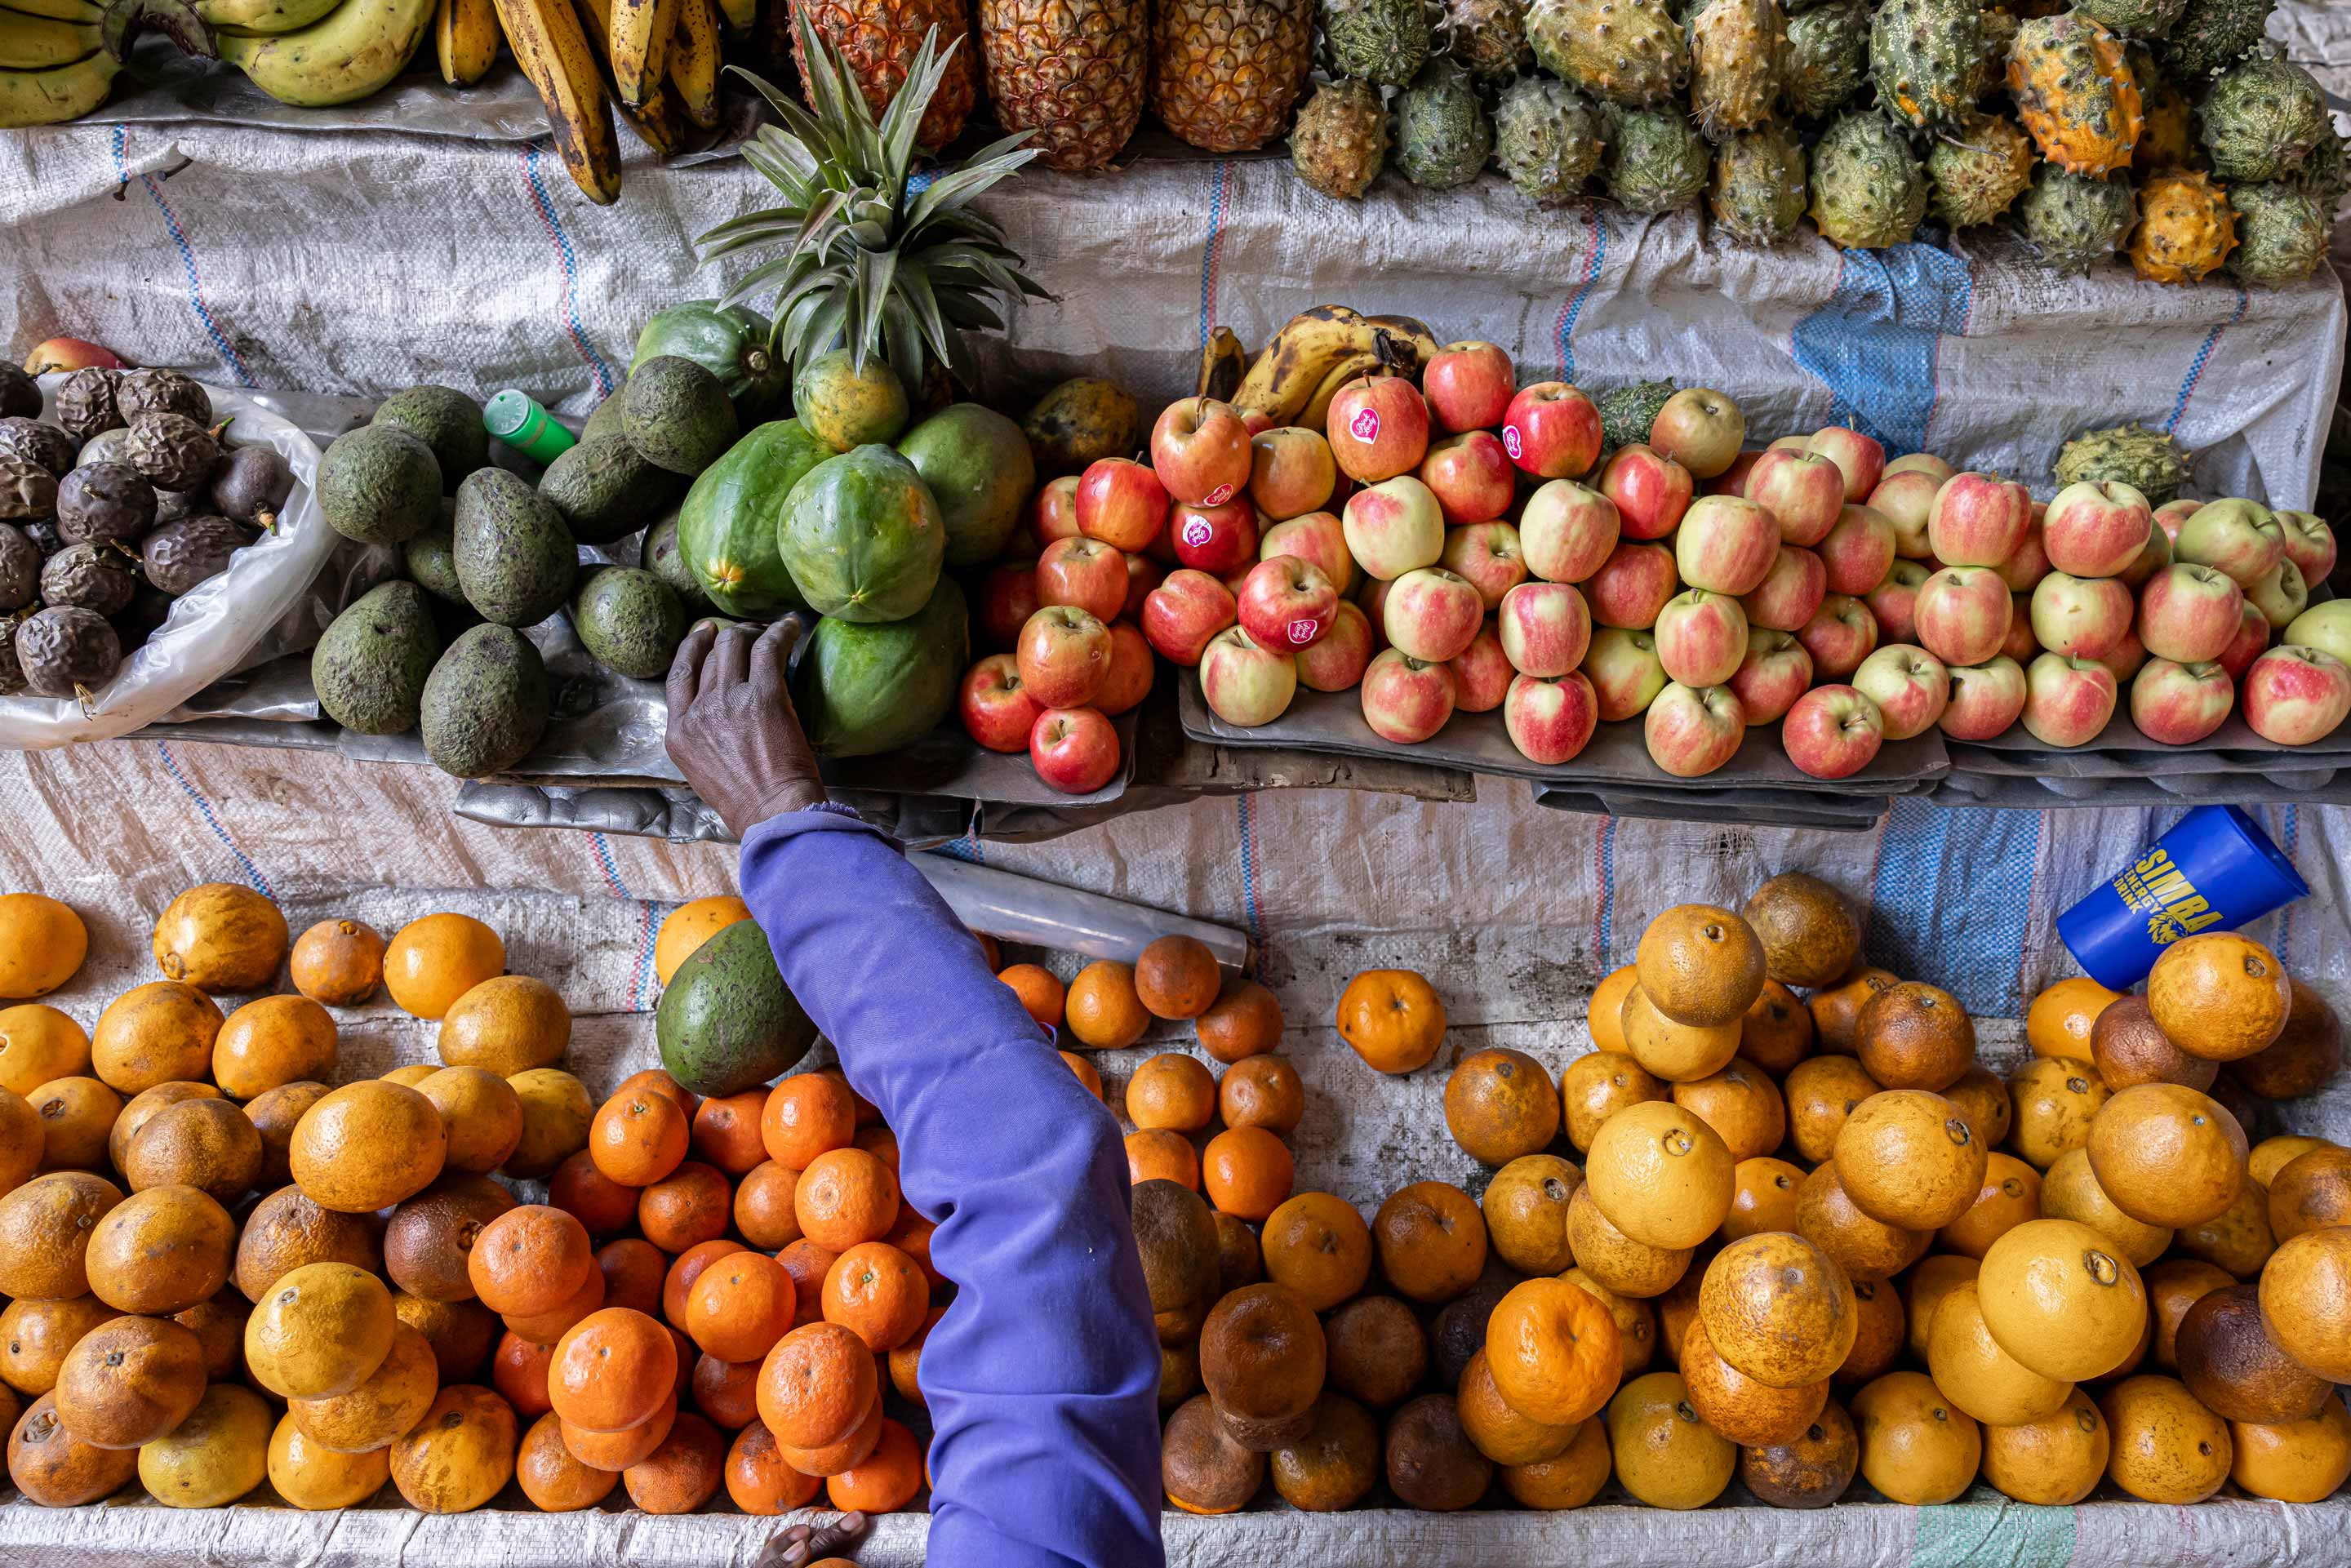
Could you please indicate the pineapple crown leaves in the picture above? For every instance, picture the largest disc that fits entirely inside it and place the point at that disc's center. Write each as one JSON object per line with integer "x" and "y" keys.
{"x": 868, "y": 258}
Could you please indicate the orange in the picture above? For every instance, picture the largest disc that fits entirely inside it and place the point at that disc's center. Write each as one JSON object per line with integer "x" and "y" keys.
{"x": 460, "y": 1456}
{"x": 1499, "y": 1431}
{"x": 1603, "y": 1013}
{"x": 1555, "y": 1350}
{"x": 912, "y": 1235}
{"x": 689, "y": 925}
{"x": 683, "y": 1472}
{"x": 1246, "y": 1172}
{"x": 616, "y": 1451}
{"x": 598, "y": 1203}
{"x": 2216, "y": 995}
{"x": 1177, "y": 978}
{"x": 846, "y": 1197}
{"x": 509, "y": 1024}
{"x": 481, "y": 1115}
{"x": 677, "y": 1285}
{"x": 691, "y": 1205}
{"x": 1085, "y": 1071}
{"x": 530, "y": 1259}
{"x": 817, "y": 1386}
{"x": 1172, "y": 1091}
{"x": 2058, "y": 1022}
{"x": 758, "y": 1480}
{"x": 21, "y": 1139}
{"x": 879, "y": 1142}
{"x": 835, "y": 1457}
{"x": 38, "y": 1045}
{"x": 548, "y": 1474}
{"x": 77, "y": 1117}
{"x": 272, "y": 1041}
{"x": 739, "y": 1306}
{"x": 1393, "y": 1017}
{"x": 655, "y": 1080}
{"x": 613, "y": 1371}
{"x": 1432, "y": 1242}
{"x": 1262, "y": 1092}
{"x": 1318, "y": 1245}
{"x": 1041, "y": 994}
{"x": 1245, "y": 1020}
{"x": 1499, "y": 1104}
{"x": 1104, "y": 1013}
{"x": 639, "y": 1137}
{"x": 989, "y": 948}
{"x": 879, "y": 1291}
{"x": 433, "y": 961}
{"x": 726, "y": 1391}
{"x": 764, "y": 1212}
{"x": 865, "y": 1112}
{"x": 633, "y": 1269}
{"x": 160, "y": 1032}
{"x": 885, "y": 1481}
{"x": 337, "y": 962}
{"x": 808, "y": 1264}
{"x": 906, "y": 1359}
{"x": 1776, "y": 1031}
{"x": 552, "y": 1325}
{"x": 1158, "y": 1154}
{"x": 221, "y": 937}
{"x": 42, "y": 942}
{"x": 806, "y": 1115}
{"x": 727, "y": 1132}
{"x": 518, "y": 1369}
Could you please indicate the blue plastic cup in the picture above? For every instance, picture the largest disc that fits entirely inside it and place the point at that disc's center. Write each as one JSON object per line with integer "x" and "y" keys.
{"x": 2215, "y": 869}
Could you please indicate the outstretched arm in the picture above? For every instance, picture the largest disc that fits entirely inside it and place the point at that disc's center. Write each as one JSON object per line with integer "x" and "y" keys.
{"x": 1042, "y": 1379}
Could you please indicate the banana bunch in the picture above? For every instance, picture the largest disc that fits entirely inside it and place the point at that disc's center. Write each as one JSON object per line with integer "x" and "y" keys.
{"x": 354, "y": 49}
{"x": 54, "y": 65}
{"x": 1314, "y": 354}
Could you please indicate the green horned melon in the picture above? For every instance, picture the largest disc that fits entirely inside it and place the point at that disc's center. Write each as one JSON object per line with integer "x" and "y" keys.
{"x": 1340, "y": 140}
{"x": 1737, "y": 51}
{"x": 2209, "y": 34}
{"x": 2148, "y": 462}
{"x": 1626, "y": 414}
{"x": 2076, "y": 220}
{"x": 1442, "y": 134}
{"x": 2280, "y": 235}
{"x": 2325, "y": 175}
{"x": 2262, "y": 119}
{"x": 1758, "y": 192}
{"x": 1977, "y": 170}
{"x": 2133, "y": 18}
{"x": 1486, "y": 37}
{"x": 1625, "y": 51}
{"x": 1828, "y": 57}
{"x": 1547, "y": 138}
{"x": 1381, "y": 41}
{"x": 1656, "y": 163}
{"x": 1868, "y": 191}
{"x": 1928, "y": 59}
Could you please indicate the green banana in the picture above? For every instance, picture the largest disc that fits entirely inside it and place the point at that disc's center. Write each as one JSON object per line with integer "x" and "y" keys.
{"x": 58, "y": 10}
{"x": 59, "y": 93}
{"x": 261, "y": 18}
{"x": 354, "y": 50}
{"x": 36, "y": 43}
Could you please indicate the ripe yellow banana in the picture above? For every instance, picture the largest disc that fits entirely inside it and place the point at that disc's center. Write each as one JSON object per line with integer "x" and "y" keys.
{"x": 640, "y": 37}
{"x": 1316, "y": 414}
{"x": 1223, "y": 362}
{"x": 36, "y": 43}
{"x": 1406, "y": 344}
{"x": 60, "y": 10}
{"x": 355, "y": 50}
{"x": 547, "y": 39}
{"x": 659, "y": 124}
{"x": 741, "y": 14}
{"x": 465, "y": 39}
{"x": 1310, "y": 345}
{"x": 59, "y": 93}
{"x": 694, "y": 61}
{"x": 260, "y": 17}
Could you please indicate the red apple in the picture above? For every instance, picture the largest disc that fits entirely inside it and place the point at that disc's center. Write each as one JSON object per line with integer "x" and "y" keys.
{"x": 1626, "y": 673}
{"x": 1895, "y": 601}
{"x": 1074, "y": 749}
{"x": 1839, "y": 636}
{"x": 1545, "y": 628}
{"x": 1200, "y": 449}
{"x": 1651, "y": 491}
{"x": 2067, "y": 702}
{"x": 1287, "y": 602}
{"x": 1725, "y": 545}
{"x": 1631, "y": 586}
{"x": 1732, "y": 481}
{"x": 1335, "y": 660}
{"x": 1910, "y": 686}
{"x": 1290, "y": 472}
{"x": 2295, "y": 696}
{"x": 2171, "y": 514}
{"x": 1142, "y": 575}
{"x": 1701, "y": 637}
{"x": 1803, "y": 491}
{"x": 2325, "y": 627}
{"x": 1486, "y": 555}
{"x": 1774, "y": 674}
{"x": 2096, "y": 529}
{"x": 1184, "y": 612}
{"x": 2123, "y": 659}
{"x": 1406, "y": 700}
{"x": 2019, "y": 643}
{"x": 1085, "y": 573}
{"x": 2080, "y": 617}
{"x": 1432, "y": 614}
{"x": 1566, "y": 530}
{"x": 995, "y": 711}
{"x": 1317, "y": 538}
{"x": 2241, "y": 539}
{"x": 1861, "y": 459}
{"x": 1979, "y": 519}
{"x": 1832, "y": 732}
{"x": 1217, "y": 540}
{"x": 2189, "y": 614}
{"x": 2252, "y": 641}
{"x": 1549, "y": 720}
{"x": 1481, "y": 672}
{"x": 1692, "y": 731}
{"x": 71, "y": 354}
{"x": 2180, "y": 704}
{"x": 1373, "y": 595}
{"x": 1131, "y": 669}
{"x": 1468, "y": 386}
{"x": 1858, "y": 551}
{"x": 1962, "y": 614}
{"x": 1244, "y": 682}
{"x": 1063, "y": 656}
{"x": 2152, "y": 558}
{"x": 1395, "y": 526}
{"x": 2309, "y": 544}
{"x": 1378, "y": 428}
{"x": 1905, "y": 500}
{"x": 1700, "y": 429}
{"x": 2027, "y": 564}
{"x": 1471, "y": 477}
{"x": 1121, "y": 503}
{"x": 1791, "y": 591}
{"x": 1053, "y": 511}
{"x": 1985, "y": 700}
{"x": 1007, "y": 597}
{"x": 2280, "y": 594}
{"x": 1552, "y": 430}
{"x": 1925, "y": 462}
{"x": 1791, "y": 443}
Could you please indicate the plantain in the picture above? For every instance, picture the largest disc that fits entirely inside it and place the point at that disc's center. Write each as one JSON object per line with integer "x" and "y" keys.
{"x": 741, "y": 14}
{"x": 57, "y": 94}
{"x": 60, "y": 10}
{"x": 640, "y": 37}
{"x": 552, "y": 47}
{"x": 1223, "y": 362}
{"x": 1407, "y": 345}
{"x": 1316, "y": 414}
{"x": 659, "y": 124}
{"x": 693, "y": 68}
{"x": 1302, "y": 355}
{"x": 356, "y": 49}
{"x": 37, "y": 43}
{"x": 465, "y": 39}
{"x": 261, "y": 17}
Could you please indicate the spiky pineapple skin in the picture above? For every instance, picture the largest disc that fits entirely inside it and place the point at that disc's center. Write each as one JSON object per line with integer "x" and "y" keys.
{"x": 1224, "y": 73}
{"x": 2209, "y": 34}
{"x": 1759, "y": 191}
{"x": 1828, "y": 57}
{"x": 1070, "y": 71}
{"x": 2186, "y": 228}
{"x": 878, "y": 41}
{"x": 2280, "y": 235}
{"x": 1868, "y": 191}
{"x": 2262, "y": 119}
{"x": 1385, "y": 42}
{"x": 1977, "y": 170}
{"x": 1547, "y": 138}
{"x": 1655, "y": 162}
{"x": 1486, "y": 37}
{"x": 2076, "y": 220}
{"x": 1627, "y": 412}
{"x": 2167, "y": 139}
{"x": 2133, "y": 18}
{"x": 1442, "y": 134}
{"x": 1626, "y": 51}
{"x": 1739, "y": 52}
{"x": 1928, "y": 59}
{"x": 1340, "y": 140}
{"x": 2147, "y": 461}
{"x": 2073, "y": 90}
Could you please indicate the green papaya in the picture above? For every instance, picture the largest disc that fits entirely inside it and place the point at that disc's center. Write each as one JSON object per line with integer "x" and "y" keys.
{"x": 727, "y": 1020}
{"x": 729, "y": 341}
{"x": 727, "y": 527}
{"x": 869, "y": 686}
{"x": 862, "y": 537}
{"x": 977, "y": 463}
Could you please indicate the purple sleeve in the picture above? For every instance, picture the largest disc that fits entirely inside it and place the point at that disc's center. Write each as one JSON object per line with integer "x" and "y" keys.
{"x": 1042, "y": 1379}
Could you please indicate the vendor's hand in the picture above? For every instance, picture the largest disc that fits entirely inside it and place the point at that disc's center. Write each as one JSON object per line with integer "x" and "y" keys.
{"x": 804, "y": 1544}
{"x": 732, "y": 730}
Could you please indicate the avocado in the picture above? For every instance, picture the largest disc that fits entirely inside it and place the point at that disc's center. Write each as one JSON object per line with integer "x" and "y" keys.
{"x": 430, "y": 558}
{"x": 605, "y": 491}
{"x": 515, "y": 559}
{"x": 486, "y": 703}
{"x": 371, "y": 666}
{"x": 660, "y": 555}
{"x": 446, "y": 420}
{"x": 979, "y": 466}
{"x": 726, "y": 1021}
{"x": 677, "y": 414}
{"x": 629, "y": 620}
{"x": 378, "y": 485}
{"x": 604, "y": 419}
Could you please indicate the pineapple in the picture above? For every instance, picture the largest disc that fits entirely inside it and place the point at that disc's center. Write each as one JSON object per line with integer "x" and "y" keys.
{"x": 1225, "y": 72}
{"x": 1071, "y": 71}
{"x": 1868, "y": 191}
{"x": 2280, "y": 235}
{"x": 2186, "y": 229}
{"x": 2076, "y": 220}
{"x": 878, "y": 39}
{"x": 2075, "y": 92}
{"x": 2262, "y": 119}
{"x": 1340, "y": 140}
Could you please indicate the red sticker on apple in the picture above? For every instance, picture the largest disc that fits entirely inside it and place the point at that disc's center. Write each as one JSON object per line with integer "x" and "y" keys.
{"x": 1365, "y": 425}
{"x": 1305, "y": 631}
{"x": 1511, "y": 442}
{"x": 1219, "y": 496}
{"x": 1197, "y": 532}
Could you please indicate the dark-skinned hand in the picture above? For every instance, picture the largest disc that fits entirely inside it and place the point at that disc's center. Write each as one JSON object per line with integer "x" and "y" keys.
{"x": 732, "y": 730}
{"x": 804, "y": 1544}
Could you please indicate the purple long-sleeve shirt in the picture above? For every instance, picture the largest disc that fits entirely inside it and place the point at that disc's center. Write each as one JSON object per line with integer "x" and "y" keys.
{"x": 1042, "y": 1380}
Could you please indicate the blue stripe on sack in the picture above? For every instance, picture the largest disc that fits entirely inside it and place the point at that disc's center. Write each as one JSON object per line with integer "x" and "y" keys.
{"x": 1606, "y": 924}
{"x": 1874, "y": 343}
{"x": 1244, "y": 809}
{"x": 571, "y": 324}
{"x": 601, "y": 847}
{"x": 1211, "y": 250}
{"x": 1596, "y": 256}
{"x": 2286, "y": 918}
{"x": 1988, "y": 1529}
{"x": 229, "y": 356}
{"x": 968, "y": 848}
{"x": 212, "y": 819}
{"x": 1952, "y": 900}
{"x": 2203, "y": 357}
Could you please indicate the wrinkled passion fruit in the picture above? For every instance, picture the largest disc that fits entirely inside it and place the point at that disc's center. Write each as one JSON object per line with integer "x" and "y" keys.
{"x": 171, "y": 451}
{"x": 85, "y": 402}
{"x": 90, "y": 577}
{"x": 178, "y": 556}
{"x": 43, "y": 444}
{"x": 27, "y": 489}
{"x": 160, "y": 391}
{"x": 251, "y": 484}
{"x": 105, "y": 502}
{"x": 65, "y": 647}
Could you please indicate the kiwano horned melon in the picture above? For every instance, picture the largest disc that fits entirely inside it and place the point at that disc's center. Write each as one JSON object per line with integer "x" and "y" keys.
{"x": 1868, "y": 191}
{"x": 2186, "y": 228}
{"x": 2076, "y": 220}
{"x": 1928, "y": 59}
{"x": 1627, "y": 51}
{"x": 2074, "y": 91}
